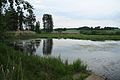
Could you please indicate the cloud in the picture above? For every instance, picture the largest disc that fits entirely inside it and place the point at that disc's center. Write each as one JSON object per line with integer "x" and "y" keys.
{"x": 60, "y": 21}
{"x": 79, "y": 12}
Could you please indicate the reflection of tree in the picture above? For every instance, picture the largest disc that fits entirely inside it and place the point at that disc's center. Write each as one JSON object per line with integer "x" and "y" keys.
{"x": 19, "y": 46}
{"x": 28, "y": 47}
{"x": 47, "y": 46}
{"x": 37, "y": 42}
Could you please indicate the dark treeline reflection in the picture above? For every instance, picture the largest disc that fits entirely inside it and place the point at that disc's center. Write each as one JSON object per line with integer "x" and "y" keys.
{"x": 27, "y": 47}
{"x": 30, "y": 47}
{"x": 47, "y": 46}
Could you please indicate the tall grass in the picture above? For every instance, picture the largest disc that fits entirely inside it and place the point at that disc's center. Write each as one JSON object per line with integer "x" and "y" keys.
{"x": 15, "y": 65}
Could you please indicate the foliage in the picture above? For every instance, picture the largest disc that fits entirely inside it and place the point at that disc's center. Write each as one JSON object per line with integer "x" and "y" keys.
{"x": 47, "y": 22}
{"x": 15, "y": 13}
{"x": 37, "y": 27}
{"x": 30, "y": 19}
{"x": 97, "y": 28}
{"x": 60, "y": 30}
{"x": 11, "y": 20}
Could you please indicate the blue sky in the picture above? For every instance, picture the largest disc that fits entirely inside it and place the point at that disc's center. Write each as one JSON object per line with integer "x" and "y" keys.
{"x": 77, "y": 13}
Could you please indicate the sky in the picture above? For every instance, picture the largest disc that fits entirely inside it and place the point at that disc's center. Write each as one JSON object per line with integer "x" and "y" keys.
{"x": 78, "y": 13}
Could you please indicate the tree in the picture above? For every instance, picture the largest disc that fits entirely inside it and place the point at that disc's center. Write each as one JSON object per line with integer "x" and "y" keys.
{"x": 97, "y": 28}
{"x": 13, "y": 13}
{"x": 84, "y": 28}
{"x": 11, "y": 19}
{"x": 60, "y": 30}
{"x": 47, "y": 22}
{"x": 20, "y": 17}
{"x": 37, "y": 27}
{"x": 30, "y": 18}
{"x": 27, "y": 19}
{"x": 2, "y": 7}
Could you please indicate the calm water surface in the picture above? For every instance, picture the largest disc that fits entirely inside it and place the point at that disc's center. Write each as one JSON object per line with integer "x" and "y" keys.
{"x": 102, "y": 57}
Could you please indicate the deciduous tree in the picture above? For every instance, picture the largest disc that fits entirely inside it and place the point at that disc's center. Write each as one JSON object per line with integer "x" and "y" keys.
{"x": 47, "y": 22}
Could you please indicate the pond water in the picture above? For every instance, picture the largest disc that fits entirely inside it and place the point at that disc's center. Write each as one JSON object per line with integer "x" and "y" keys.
{"x": 102, "y": 57}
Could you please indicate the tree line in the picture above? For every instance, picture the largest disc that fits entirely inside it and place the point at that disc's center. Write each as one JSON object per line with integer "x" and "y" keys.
{"x": 16, "y": 13}
{"x": 97, "y": 28}
{"x": 87, "y": 28}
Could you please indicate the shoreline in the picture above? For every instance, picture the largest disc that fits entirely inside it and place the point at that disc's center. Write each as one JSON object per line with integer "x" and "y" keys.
{"x": 30, "y": 35}
{"x": 94, "y": 76}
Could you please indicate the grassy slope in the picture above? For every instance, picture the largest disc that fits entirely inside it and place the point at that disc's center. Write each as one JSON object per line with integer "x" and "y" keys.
{"x": 15, "y": 65}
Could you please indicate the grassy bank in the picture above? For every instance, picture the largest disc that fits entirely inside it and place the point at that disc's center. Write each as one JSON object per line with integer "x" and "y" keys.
{"x": 100, "y": 32}
{"x": 70, "y": 36}
{"x": 15, "y": 65}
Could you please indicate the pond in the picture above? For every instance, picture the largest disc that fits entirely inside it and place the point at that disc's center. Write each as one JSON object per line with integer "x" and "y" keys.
{"x": 102, "y": 57}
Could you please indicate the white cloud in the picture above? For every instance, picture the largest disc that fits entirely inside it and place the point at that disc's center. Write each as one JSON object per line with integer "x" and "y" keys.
{"x": 84, "y": 6}
{"x": 60, "y": 21}
{"x": 80, "y": 12}
{"x": 35, "y": 2}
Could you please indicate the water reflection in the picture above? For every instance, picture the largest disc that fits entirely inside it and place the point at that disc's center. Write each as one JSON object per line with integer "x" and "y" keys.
{"x": 30, "y": 47}
{"x": 47, "y": 46}
{"x": 37, "y": 43}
